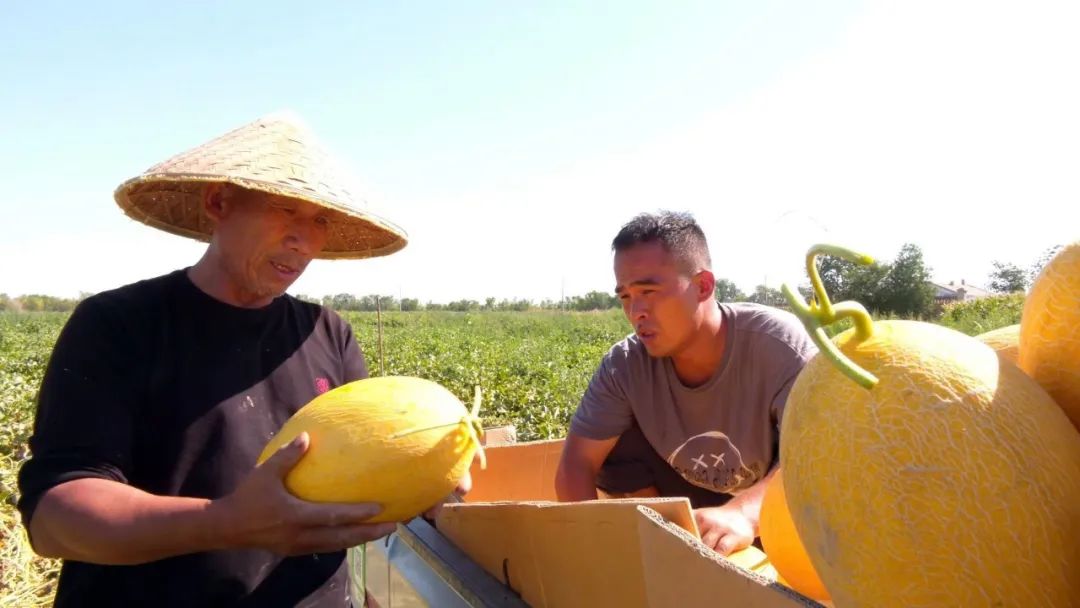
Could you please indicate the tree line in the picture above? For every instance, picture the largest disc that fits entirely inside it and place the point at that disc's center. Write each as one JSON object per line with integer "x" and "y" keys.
{"x": 898, "y": 287}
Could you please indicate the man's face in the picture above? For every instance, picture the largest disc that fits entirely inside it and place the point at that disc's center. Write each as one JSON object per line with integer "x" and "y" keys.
{"x": 658, "y": 297}
{"x": 267, "y": 242}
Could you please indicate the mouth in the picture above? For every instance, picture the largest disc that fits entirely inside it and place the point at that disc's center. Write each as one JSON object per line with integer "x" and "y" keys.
{"x": 646, "y": 335}
{"x": 284, "y": 270}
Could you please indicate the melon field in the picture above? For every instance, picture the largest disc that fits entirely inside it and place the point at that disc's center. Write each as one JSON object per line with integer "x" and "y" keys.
{"x": 531, "y": 366}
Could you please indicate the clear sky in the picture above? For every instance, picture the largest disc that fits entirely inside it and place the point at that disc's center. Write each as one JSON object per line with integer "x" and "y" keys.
{"x": 511, "y": 140}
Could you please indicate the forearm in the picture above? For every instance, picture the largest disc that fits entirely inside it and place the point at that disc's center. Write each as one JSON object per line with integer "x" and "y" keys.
{"x": 575, "y": 484}
{"x": 748, "y": 502}
{"x": 575, "y": 481}
{"x": 105, "y": 522}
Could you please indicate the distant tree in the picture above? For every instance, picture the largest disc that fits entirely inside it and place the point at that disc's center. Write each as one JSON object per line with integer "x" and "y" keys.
{"x": 806, "y": 290}
{"x": 844, "y": 280}
{"x": 1007, "y": 278}
{"x": 343, "y": 301}
{"x": 727, "y": 291}
{"x": 514, "y": 305}
{"x": 463, "y": 305}
{"x": 907, "y": 289}
{"x": 768, "y": 296}
{"x": 42, "y": 303}
{"x": 901, "y": 287}
{"x": 1041, "y": 263}
{"x": 5, "y": 302}
{"x": 594, "y": 300}
{"x": 838, "y": 276}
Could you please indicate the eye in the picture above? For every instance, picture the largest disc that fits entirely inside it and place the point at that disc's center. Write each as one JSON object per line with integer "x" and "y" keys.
{"x": 322, "y": 220}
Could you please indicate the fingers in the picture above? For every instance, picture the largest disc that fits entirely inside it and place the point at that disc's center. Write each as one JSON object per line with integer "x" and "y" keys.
{"x": 465, "y": 484}
{"x": 433, "y": 512}
{"x": 335, "y": 538}
{"x": 711, "y": 537}
{"x": 730, "y": 543}
{"x": 288, "y": 455}
{"x": 324, "y": 514}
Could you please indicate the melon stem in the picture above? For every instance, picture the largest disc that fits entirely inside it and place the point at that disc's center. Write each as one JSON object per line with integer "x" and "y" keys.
{"x": 821, "y": 312}
{"x": 473, "y": 426}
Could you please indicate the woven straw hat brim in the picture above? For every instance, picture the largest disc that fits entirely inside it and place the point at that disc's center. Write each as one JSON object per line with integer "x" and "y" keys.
{"x": 276, "y": 155}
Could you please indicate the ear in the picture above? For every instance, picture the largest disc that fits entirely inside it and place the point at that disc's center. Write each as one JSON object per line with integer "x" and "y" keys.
{"x": 214, "y": 201}
{"x": 706, "y": 284}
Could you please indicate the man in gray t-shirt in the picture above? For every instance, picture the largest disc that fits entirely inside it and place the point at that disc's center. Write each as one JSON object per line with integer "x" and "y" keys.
{"x": 690, "y": 403}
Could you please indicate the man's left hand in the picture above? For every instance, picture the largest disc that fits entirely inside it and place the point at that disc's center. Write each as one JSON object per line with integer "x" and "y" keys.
{"x": 462, "y": 489}
{"x": 725, "y": 529}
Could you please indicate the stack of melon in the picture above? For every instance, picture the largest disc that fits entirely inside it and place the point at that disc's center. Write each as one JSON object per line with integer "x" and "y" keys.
{"x": 920, "y": 468}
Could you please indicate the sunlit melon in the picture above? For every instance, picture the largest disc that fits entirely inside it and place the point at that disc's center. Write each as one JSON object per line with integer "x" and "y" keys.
{"x": 402, "y": 442}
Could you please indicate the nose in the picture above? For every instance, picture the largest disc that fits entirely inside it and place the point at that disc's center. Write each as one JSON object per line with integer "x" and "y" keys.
{"x": 637, "y": 310}
{"x": 304, "y": 236}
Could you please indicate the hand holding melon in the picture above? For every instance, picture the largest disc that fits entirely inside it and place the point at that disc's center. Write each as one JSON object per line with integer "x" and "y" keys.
{"x": 261, "y": 514}
{"x": 402, "y": 442}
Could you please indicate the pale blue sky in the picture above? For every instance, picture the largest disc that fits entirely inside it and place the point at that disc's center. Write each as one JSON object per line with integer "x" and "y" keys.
{"x": 511, "y": 140}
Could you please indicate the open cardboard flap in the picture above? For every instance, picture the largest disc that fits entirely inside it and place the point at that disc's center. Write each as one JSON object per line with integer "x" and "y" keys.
{"x": 617, "y": 552}
{"x": 681, "y": 571}
{"x": 610, "y": 552}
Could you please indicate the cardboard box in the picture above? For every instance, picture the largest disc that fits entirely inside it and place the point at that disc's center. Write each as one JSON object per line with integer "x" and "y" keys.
{"x": 627, "y": 552}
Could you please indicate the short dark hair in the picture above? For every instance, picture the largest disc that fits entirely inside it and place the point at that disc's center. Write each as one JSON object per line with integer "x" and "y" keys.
{"x": 678, "y": 232}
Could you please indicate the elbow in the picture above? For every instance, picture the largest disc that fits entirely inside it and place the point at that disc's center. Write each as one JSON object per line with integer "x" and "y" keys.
{"x": 41, "y": 541}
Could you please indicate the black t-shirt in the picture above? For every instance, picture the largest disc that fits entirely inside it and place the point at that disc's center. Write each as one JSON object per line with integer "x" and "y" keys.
{"x": 160, "y": 386}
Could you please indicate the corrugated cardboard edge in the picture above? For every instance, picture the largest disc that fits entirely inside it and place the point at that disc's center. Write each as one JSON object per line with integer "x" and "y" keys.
{"x": 505, "y": 434}
{"x": 517, "y": 471}
{"x": 674, "y": 509}
{"x": 560, "y": 554}
{"x": 665, "y": 547}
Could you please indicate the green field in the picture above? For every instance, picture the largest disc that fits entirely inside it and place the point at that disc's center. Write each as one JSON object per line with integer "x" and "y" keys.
{"x": 531, "y": 366}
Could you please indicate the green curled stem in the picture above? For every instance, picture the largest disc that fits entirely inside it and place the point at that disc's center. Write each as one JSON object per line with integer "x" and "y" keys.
{"x": 476, "y": 427}
{"x": 821, "y": 312}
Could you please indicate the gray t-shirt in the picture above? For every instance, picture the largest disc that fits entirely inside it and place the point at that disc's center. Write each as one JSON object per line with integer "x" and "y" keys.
{"x": 723, "y": 435}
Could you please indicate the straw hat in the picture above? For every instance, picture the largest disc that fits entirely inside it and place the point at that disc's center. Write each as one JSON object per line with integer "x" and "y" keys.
{"x": 276, "y": 154}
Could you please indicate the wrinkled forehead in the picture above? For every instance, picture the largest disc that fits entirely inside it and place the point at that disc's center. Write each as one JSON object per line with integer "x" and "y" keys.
{"x": 258, "y": 198}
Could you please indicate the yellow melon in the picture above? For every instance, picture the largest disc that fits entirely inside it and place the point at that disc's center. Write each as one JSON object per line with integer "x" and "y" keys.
{"x": 1050, "y": 330}
{"x": 399, "y": 441}
{"x": 922, "y": 470}
{"x": 782, "y": 545}
{"x": 1004, "y": 340}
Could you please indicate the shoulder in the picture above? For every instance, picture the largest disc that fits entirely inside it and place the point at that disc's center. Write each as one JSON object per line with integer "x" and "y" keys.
{"x": 138, "y": 293}
{"x": 771, "y": 327}
{"x": 625, "y": 351}
{"x": 127, "y": 304}
{"x": 626, "y": 361}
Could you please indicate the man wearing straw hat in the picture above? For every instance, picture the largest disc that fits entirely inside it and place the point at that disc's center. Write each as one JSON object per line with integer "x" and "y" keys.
{"x": 160, "y": 395}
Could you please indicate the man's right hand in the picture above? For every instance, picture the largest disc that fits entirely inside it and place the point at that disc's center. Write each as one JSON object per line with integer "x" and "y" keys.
{"x": 262, "y": 513}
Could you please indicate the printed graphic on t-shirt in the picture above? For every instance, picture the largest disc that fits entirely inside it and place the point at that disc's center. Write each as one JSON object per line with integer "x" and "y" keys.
{"x": 711, "y": 461}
